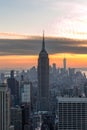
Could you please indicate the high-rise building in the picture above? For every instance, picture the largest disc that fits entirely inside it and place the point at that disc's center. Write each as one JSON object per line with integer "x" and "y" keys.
{"x": 64, "y": 64}
{"x": 16, "y": 118}
{"x": 2, "y": 78}
{"x": 13, "y": 84}
{"x": 72, "y": 113}
{"x": 4, "y": 107}
{"x": 43, "y": 79}
{"x": 71, "y": 72}
{"x": 25, "y": 117}
{"x": 25, "y": 92}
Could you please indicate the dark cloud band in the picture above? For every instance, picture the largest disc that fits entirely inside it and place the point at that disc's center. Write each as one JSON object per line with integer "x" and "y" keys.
{"x": 33, "y": 46}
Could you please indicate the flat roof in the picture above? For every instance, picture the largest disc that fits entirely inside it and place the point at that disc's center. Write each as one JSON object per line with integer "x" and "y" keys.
{"x": 72, "y": 99}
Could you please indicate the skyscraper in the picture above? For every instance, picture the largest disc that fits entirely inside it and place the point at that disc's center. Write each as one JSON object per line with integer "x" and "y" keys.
{"x": 13, "y": 84}
{"x": 43, "y": 79}
{"x": 16, "y": 117}
{"x": 64, "y": 64}
{"x": 4, "y": 107}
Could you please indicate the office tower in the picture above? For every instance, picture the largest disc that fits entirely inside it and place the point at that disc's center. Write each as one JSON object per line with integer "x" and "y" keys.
{"x": 13, "y": 84}
{"x": 25, "y": 92}
{"x": 64, "y": 64}
{"x": 4, "y": 107}
{"x": 25, "y": 117}
{"x": 72, "y": 113}
{"x": 43, "y": 78}
{"x": 16, "y": 118}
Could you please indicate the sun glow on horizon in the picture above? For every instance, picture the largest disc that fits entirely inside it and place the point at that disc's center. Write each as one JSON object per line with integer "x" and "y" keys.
{"x": 25, "y": 62}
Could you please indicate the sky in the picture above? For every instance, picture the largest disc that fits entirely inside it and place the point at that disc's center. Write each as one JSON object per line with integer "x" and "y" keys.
{"x": 64, "y": 23}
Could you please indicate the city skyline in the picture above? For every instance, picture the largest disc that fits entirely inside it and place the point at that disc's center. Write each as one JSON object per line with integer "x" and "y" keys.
{"x": 65, "y": 25}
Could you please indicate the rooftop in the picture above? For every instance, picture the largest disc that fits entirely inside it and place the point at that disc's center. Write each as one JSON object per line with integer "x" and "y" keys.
{"x": 72, "y": 99}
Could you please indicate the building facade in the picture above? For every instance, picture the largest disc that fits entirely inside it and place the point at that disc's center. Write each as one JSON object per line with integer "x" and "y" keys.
{"x": 16, "y": 118}
{"x": 72, "y": 113}
{"x": 4, "y": 107}
{"x": 25, "y": 92}
{"x": 13, "y": 84}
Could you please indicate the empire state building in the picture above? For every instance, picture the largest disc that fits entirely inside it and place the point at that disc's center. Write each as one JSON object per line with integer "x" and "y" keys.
{"x": 43, "y": 79}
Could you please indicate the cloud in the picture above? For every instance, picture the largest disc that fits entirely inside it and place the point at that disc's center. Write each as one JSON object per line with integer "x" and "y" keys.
{"x": 33, "y": 46}
{"x": 13, "y": 35}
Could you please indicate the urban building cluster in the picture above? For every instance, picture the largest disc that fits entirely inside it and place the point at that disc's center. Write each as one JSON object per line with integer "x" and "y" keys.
{"x": 43, "y": 98}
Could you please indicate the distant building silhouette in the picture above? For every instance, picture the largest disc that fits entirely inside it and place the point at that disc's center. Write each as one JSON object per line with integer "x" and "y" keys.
{"x": 64, "y": 64}
{"x": 13, "y": 84}
{"x": 43, "y": 79}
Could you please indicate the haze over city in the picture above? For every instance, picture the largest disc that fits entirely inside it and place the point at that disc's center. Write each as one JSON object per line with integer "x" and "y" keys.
{"x": 22, "y": 23}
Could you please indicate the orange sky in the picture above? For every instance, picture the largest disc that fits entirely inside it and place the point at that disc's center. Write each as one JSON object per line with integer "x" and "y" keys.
{"x": 25, "y": 62}
{"x": 21, "y": 19}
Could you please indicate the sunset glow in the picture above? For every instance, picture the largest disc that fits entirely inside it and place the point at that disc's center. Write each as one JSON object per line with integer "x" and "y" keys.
{"x": 26, "y": 62}
{"x": 22, "y": 22}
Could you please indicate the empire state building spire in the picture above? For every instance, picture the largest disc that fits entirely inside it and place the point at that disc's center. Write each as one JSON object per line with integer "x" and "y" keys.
{"x": 43, "y": 51}
{"x": 43, "y": 43}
